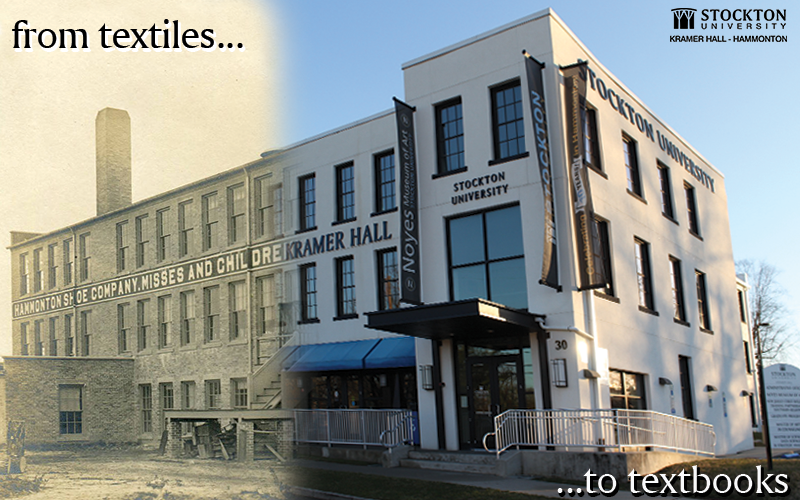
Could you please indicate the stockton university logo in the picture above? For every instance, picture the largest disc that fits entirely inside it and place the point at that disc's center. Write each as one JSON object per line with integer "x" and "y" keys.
{"x": 683, "y": 19}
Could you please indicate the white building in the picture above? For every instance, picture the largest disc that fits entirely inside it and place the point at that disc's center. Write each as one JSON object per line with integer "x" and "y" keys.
{"x": 666, "y": 327}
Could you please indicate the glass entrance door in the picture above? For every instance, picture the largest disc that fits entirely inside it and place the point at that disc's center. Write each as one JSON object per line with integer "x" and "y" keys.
{"x": 494, "y": 385}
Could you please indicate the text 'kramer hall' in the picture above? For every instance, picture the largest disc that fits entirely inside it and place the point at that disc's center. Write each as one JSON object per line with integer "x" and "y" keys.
{"x": 331, "y": 275}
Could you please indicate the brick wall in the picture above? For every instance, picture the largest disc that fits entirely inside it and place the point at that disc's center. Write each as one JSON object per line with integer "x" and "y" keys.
{"x": 32, "y": 395}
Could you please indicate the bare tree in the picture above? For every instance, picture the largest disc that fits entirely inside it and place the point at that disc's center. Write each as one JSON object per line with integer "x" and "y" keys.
{"x": 768, "y": 313}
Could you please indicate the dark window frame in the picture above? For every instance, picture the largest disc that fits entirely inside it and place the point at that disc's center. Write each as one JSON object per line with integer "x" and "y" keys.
{"x": 308, "y": 202}
{"x": 450, "y": 143}
{"x": 211, "y": 323}
{"x": 388, "y": 280}
{"x": 162, "y": 234}
{"x": 184, "y": 230}
{"x": 209, "y": 208}
{"x": 70, "y": 420}
{"x": 141, "y": 240}
{"x": 346, "y": 288}
{"x": 665, "y": 186}
{"x": 691, "y": 208}
{"x": 678, "y": 297}
{"x": 497, "y": 125}
{"x": 146, "y": 406}
{"x": 309, "y": 311}
{"x": 164, "y": 313}
{"x": 604, "y": 232}
{"x": 345, "y": 192}
{"x": 644, "y": 274}
{"x": 237, "y": 216}
{"x": 385, "y": 186}
{"x": 591, "y": 141}
{"x": 632, "y": 171}
{"x": 52, "y": 267}
{"x": 702, "y": 301}
{"x": 626, "y": 397}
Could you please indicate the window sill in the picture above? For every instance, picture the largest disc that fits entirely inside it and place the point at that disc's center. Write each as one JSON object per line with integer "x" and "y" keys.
{"x": 508, "y": 159}
{"x": 448, "y": 173}
{"x": 671, "y": 219}
{"x": 345, "y": 317}
{"x": 383, "y": 212}
{"x": 706, "y": 330}
{"x": 187, "y": 347}
{"x": 681, "y": 322}
{"x": 696, "y": 235}
{"x": 648, "y": 311}
{"x": 597, "y": 170}
{"x": 607, "y": 297}
{"x": 638, "y": 197}
{"x": 336, "y": 223}
{"x": 237, "y": 342}
{"x": 212, "y": 344}
{"x": 308, "y": 321}
{"x": 306, "y": 230}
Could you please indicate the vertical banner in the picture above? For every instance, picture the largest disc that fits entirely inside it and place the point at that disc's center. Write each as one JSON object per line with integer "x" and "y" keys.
{"x": 410, "y": 283}
{"x": 534, "y": 70}
{"x": 590, "y": 250}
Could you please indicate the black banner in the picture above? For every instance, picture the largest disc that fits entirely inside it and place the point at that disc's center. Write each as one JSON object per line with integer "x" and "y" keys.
{"x": 410, "y": 283}
{"x": 536, "y": 94}
{"x": 590, "y": 250}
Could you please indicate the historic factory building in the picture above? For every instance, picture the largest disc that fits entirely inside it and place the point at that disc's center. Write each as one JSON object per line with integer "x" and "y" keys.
{"x": 504, "y": 239}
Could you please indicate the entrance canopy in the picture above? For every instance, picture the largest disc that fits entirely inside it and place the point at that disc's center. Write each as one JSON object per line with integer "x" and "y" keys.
{"x": 396, "y": 352}
{"x": 463, "y": 319}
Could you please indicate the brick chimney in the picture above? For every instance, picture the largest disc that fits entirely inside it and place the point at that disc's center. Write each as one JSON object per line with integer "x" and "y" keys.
{"x": 113, "y": 149}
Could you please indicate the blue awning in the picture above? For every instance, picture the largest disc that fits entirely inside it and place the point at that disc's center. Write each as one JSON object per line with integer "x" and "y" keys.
{"x": 355, "y": 355}
{"x": 396, "y": 352}
{"x": 333, "y": 356}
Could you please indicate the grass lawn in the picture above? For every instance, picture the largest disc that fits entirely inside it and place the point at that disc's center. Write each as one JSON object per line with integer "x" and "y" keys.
{"x": 392, "y": 488}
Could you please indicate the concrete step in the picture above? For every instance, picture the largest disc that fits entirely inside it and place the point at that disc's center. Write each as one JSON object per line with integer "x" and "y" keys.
{"x": 454, "y": 457}
{"x": 448, "y": 466}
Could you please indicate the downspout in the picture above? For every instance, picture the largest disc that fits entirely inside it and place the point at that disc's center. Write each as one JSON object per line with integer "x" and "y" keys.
{"x": 248, "y": 282}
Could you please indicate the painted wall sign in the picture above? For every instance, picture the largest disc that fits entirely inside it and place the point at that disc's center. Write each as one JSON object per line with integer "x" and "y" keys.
{"x": 478, "y": 188}
{"x": 628, "y": 112}
{"x": 260, "y": 256}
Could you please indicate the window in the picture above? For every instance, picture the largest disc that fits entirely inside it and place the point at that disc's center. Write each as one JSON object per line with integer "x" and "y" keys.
{"x": 122, "y": 246}
{"x": 308, "y": 201}
{"x": 162, "y": 234}
{"x": 627, "y": 390}
{"x": 450, "y": 136}
{"x": 123, "y": 327}
{"x": 184, "y": 228}
{"x": 747, "y": 363}
{"x": 384, "y": 182}
{"x": 23, "y": 338}
{"x": 67, "y": 261}
{"x": 146, "y": 402}
{"x": 591, "y": 144}
{"x": 53, "y": 351}
{"x": 142, "y": 322}
{"x": 86, "y": 318}
{"x": 211, "y": 313}
{"x": 691, "y": 210}
{"x": 38, "y": 345}
{"x": 164, "y": 320}
{"x": 486, "y": 257}
{"x": 52, "y": 266}
{"x": 239, "y": 392}
{"x": 69, "y": 339}
{"x": 509, "y": 127}
{"x": 308, "y": 292}
{"x": 83, "y": 255}
{"x": 742, "y": 313}
{"x": 236, "y": 208}
{"x": 605, "y": 243}
{"x": 676, "y": 278}
{"x": 24, "y": 272}
{"x": 265, "y": 295}
{"x": 187, "y": 316}
{"x": 141, "y": 240}
{"x": 388, "y": 280}
{"x": 632, "y": 166}
{"x": 187, "y": 395}
{"x": 210, "y": 219}
{"x": 237, "y": 297}
{"x": 666, "y": 191}
{"x": 643, "y": 275}
{"x": 686, "y": 387}
{"x": 702, "y": 301}
{"x": 213, "y": 393}
{"x": 38, "y": 272}
{"x": 345, "y": 287}
{"x": 70, "y": 409}
{"x": 167, "y": 395}
{"x": 267, "y": 207}
{"x": 345, "y": 193}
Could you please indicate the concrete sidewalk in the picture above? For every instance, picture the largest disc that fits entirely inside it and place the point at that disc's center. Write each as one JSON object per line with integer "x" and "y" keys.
{"x": 514, "y": 484}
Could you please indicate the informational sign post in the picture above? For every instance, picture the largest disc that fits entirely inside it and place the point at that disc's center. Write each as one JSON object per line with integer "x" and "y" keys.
{"x": 782, "y": 389}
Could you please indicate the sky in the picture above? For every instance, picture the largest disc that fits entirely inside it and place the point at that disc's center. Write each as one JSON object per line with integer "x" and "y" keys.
{"x": 313, "y": 65}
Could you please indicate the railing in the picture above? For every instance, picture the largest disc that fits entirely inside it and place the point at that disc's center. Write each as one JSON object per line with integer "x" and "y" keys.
{"x": 606, "y": 430}
{"x": 363, "y": 427}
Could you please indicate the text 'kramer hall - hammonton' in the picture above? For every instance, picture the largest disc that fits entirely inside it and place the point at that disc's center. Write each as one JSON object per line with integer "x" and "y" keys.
{"x": 519, "y": 233}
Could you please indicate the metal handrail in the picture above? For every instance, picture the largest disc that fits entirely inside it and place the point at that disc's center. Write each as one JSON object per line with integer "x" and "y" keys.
{"x": 615, "y": 429}
{"x": 362, "y": 427}
{"x": 402, "y": 424}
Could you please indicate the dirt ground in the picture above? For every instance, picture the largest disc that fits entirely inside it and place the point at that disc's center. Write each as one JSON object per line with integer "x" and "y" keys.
{"x": 133, "y": 473}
